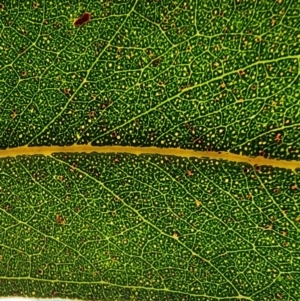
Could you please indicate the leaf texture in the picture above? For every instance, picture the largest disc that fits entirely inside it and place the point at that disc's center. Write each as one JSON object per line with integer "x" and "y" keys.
{"x": 210, "y": 76}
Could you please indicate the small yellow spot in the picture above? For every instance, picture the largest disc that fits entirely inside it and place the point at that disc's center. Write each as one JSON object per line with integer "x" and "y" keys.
{"x": 269, "y": 227}
{"x": 297, "y": 219}
{"x": 175, "y": 235}
{"x": 198, "y": 203}
{"x": 223, "y": 85}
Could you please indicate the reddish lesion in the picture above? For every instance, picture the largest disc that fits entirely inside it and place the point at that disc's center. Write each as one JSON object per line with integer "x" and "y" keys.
{"x": 84, "y": 18}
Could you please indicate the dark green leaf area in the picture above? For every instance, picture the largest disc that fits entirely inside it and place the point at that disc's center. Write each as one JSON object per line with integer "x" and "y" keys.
{"x": 190, "y": 74}
{"x": 119, "y": 226}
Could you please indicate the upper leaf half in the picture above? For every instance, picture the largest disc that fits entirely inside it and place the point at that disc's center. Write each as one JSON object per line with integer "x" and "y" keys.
{"x": 207, "y": 75}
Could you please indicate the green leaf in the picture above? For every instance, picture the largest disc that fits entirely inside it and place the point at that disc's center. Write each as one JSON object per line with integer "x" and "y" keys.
{"x": 151, "y": 152}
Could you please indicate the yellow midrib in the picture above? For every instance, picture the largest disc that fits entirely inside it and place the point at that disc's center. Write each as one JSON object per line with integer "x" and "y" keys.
{"x": 88, "y": 148}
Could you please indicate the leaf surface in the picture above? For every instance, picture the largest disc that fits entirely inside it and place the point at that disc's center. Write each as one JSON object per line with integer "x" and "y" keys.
{"x": 150, "y": 150}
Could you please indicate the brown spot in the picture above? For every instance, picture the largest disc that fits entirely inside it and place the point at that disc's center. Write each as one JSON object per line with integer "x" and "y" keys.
{"x": 189, "y": 173}
{"x": 61, "y": 178}
{"x": 40, "y": 272}
{"x": 156, "y": 62}
{"x": 241, "y": 72}
{"x": 223, "y": 85}
{"x": 276, "y": 190}
{"x": 258, "y": 39}
{"x": 253, "y": 87}
{"x": 1, "y": 6}
{"x": 36, "y": 5}
{"x": 278, "y": 138}
{"x": 14, "y": 114}
{"x": 24, "y": 73}
{"x": 246, "y": 170}
{"x": 59, "y": 219}
{"x": 66, "y": 91}
{"x": 293, "y": 186}
{"x": 92, "y": 114}
{"x": 84, "y": 18}
{"x": 269, "y": 227}
{"x": 257, "y": 167}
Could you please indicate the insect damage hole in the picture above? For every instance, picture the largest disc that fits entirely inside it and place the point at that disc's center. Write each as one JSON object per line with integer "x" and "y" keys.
{"x": 84, "y": 18}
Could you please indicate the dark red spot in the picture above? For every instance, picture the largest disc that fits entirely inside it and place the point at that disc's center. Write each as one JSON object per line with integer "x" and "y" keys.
{"x": 86, "y": 17}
